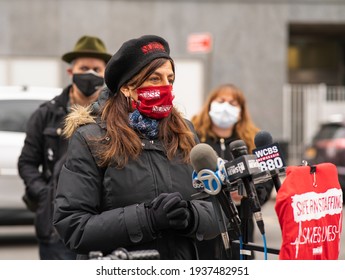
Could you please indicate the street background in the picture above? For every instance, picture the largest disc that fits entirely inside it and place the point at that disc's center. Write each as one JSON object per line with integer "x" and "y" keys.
{"x": 278, "y": 52}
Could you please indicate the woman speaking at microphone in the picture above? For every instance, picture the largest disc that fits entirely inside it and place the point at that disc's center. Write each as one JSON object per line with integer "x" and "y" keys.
{"x": 224, "y": 118}
{"x": 127, "y": 180}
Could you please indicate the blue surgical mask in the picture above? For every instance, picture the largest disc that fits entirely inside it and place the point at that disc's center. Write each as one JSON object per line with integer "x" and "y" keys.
{"x": 223, "y": 114}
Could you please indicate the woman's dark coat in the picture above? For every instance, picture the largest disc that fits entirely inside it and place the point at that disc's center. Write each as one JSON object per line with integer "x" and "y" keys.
{"x": 102, "y": 209}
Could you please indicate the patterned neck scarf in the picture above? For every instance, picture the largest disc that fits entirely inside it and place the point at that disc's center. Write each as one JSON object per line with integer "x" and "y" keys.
{"x": 146, "y": 126}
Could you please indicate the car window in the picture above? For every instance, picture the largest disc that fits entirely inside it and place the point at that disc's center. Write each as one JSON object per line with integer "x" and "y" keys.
{"x": 340, "y": 133}
{"x": 330, "y": 131}
{"x": 14, "y": 114}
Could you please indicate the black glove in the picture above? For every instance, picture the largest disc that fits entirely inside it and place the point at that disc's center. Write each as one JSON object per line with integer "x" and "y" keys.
{"x": 169, "y": 210}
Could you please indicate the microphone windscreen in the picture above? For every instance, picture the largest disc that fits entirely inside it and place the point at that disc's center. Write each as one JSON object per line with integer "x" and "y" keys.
{"x": 263, "y": 138}
{"x": 203, "y": 156}
{"x": 238, "y": 148}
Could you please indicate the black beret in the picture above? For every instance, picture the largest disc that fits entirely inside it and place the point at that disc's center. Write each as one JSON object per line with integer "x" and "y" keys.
{"x": 132, "y": 57}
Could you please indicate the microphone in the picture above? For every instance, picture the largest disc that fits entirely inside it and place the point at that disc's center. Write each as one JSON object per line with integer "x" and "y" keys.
{"x": 209, "y": 170}
{"x": 205, "y": 162}
{"x": 269, "y": 156}
{"x": 243, "y": 167}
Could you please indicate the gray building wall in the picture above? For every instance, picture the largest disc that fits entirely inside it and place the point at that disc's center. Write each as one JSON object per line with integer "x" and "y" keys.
{"x": 249, "y": 48}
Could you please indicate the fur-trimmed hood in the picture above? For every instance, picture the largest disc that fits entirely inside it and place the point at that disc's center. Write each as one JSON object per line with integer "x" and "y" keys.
{"x": 78, "y": 116}
{"x": 81, "y": 115}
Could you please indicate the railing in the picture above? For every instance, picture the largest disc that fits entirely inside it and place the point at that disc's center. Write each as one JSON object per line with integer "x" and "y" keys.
{"x": 305, "y": 107}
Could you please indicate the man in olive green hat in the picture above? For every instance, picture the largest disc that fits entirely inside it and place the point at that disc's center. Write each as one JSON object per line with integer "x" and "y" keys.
{"x": 44, "y": 150}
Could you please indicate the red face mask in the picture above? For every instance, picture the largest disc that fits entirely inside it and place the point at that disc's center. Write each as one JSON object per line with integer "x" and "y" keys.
{"x": 155, "y": 102}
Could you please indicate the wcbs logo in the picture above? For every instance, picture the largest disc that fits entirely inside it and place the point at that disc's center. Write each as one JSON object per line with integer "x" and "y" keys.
{"x": 269, "y": 157}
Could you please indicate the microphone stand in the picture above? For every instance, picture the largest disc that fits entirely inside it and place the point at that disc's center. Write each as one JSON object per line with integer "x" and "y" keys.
{"x": 222, "y": 226}
{"x": 246, "y": 216}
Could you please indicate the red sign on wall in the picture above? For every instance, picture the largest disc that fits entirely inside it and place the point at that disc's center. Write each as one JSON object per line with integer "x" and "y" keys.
{"x": 199, "y": 43}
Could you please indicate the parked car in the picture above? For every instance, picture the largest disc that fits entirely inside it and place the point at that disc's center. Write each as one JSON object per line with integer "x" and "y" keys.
{"x": 328, "y": 145}
{"x": 16, "y": 106}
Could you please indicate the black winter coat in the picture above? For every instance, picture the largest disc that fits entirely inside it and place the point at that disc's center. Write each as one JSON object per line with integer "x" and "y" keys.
{"x": 43, "y": 148}
{"x": 104, "y": 209}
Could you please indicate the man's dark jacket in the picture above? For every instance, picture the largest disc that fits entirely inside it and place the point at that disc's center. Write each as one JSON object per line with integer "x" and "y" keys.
{"x": 37, "y": 165}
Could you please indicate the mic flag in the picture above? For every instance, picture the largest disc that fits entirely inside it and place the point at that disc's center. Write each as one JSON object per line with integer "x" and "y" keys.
{"x": 268, "y": 154}
{"x": 209, "y": 172}
{"x": 269, "y": 157}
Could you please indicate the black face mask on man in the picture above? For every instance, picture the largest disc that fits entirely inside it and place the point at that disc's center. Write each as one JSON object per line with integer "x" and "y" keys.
{"x": 88, "y": 83}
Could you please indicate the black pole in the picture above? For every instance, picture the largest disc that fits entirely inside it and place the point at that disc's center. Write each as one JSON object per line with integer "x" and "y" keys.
{"x": 246, "y": 216}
